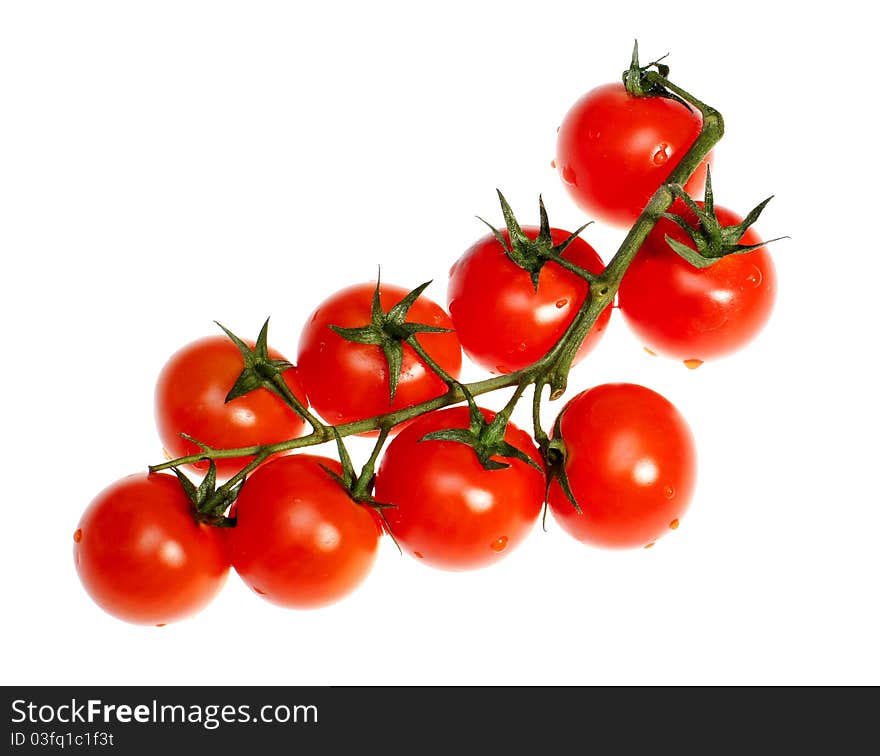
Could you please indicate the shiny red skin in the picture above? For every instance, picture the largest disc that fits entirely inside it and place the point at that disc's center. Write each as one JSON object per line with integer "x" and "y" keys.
{"x": 631, "y": 464}
{"x": 614, "y": 150}
{"x": 190, "y": 398}
{"x": 300, "y": 541}
{"x": 449, "y": 511}
{"x": 503, "y": 323}
{"x": 347, "y": 381}
{"x": 142, "y": 557}
{"x": 690, "y": 313}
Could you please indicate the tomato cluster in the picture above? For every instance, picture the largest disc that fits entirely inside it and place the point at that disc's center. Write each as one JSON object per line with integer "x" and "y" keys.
{"x": 457, "y": 487}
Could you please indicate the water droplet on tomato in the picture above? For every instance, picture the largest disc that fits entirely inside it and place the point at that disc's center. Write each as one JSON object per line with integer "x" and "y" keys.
{"x": 673, "y": 525}
{"x": 662, "y": 154}
{"x": 692, "y": 364}
{"x": 669, "y": 492}
{"x": 500, "y": 369}
{"x": 418, "y": 555}
{"x": 523, "y": 346}
{"x": 568, "y": 175}
{"x": 755, "y": 277}
{"x": 649, "y": 545}
{"x": 78, "y": 535}
{"x": 499, "y": 544}
{"x": 653, "y": 354}
{"x": 560, "y": 303}
{"x": 321, "y": 346}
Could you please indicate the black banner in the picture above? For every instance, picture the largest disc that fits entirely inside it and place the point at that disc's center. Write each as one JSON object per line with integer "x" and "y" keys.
{"x": 122, "y": 720}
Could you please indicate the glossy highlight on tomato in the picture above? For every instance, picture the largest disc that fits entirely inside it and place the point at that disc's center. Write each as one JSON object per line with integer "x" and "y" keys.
{"x": 347, "y": 381}
{"x": 300, "y": 541}
{"x": 504, "y": 324}
{"x": 142, "y": 557}
{"x": 190, "y": 398}
{"x": 613, "y": 151}
{"x": 450, "y": 512}
{"x": 697, "y": 314}
{"x": 631, "y": 464}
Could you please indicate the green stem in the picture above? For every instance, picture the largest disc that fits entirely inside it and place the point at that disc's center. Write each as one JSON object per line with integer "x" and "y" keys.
{"x": 361, "y": 487}
{"x": 432, "y": 363}
{"x": 539, "y": 433}
{"x": 294, "y": 403}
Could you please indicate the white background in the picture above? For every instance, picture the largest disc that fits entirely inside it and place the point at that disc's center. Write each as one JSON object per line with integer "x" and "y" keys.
{"x": 165, "y": 164}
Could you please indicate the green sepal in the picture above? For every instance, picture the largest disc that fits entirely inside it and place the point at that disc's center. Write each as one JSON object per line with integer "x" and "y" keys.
{"x": 482, "y": 440}
{"x": 712, "y": 241}
{"x": 388, "y": 330}
{"x": 348, "y": 482}
{"x": 210, "y": 503}
{"x": 362, "y": 335}
{"x": 458, "y": 435}
{"x": 259, "y": 368}
{"x": 639, "y": 85}
{"x": 555, "y": 456}
{"x": 533, "y": 254}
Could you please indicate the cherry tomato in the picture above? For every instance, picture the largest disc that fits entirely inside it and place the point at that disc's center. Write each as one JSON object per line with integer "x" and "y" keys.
{"x": 613, "y": 150}
{"x": 696, "y": 314}
{"x": 631, "y": 465}
{"x": 347, "y": 381}
{"x": 190, "y": 398}
{"x": 503, "y": 323}
{"x": 142, "y": 557}
{"x": 449, "y": 511}
{"x": 300, "y": 541}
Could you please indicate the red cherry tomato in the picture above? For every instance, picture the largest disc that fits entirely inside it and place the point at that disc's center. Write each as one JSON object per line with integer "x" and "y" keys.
{"x": 142, "y": 557}
{"x": 449, "y": 511}
{"x": 614, "y": 150}
{"x": 631, "y": 465}
{"x": 502, "y": 322}
{"x": 696, "y": 314}
{"x": 347, "y": 381}
{"x": 190, "y": 396}
{"x": 300, "y": 541}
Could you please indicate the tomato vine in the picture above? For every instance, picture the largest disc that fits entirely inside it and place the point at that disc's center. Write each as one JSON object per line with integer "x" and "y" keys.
{"x": 553, "y": 368}
{"x": 287, "y": 546}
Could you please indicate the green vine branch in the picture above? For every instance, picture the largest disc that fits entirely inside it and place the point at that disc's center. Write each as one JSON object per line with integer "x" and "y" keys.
{"x": 551, "y": 370}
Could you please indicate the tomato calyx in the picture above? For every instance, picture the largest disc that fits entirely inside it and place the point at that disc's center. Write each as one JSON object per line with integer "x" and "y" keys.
{"x": 388, "y": 330}
{"x": 484, "y": 437}
{"x": 555, "y": 455}
{"x": 262, "y": 371}
{"x": 712, "y": 240}
{"x": 639, "y": 84}
{"x": 209, "y": 503}
{"x": 359, "y": 486}
{"x": 533, "y": 254}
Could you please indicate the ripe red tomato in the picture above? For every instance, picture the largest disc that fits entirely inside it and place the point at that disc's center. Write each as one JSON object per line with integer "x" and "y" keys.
{"x": 347, "y": 381}
{"x": 631, "y": 464}
{"x": 450, "y": 511}
{"x": 502, "y": 322}
{"x": 613, "y": 150}
{"x": 696, "y": 314}
{"x": 142, "y": 557}
{"x": 300, "y": 541}
{"x": 190, "y": 396}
